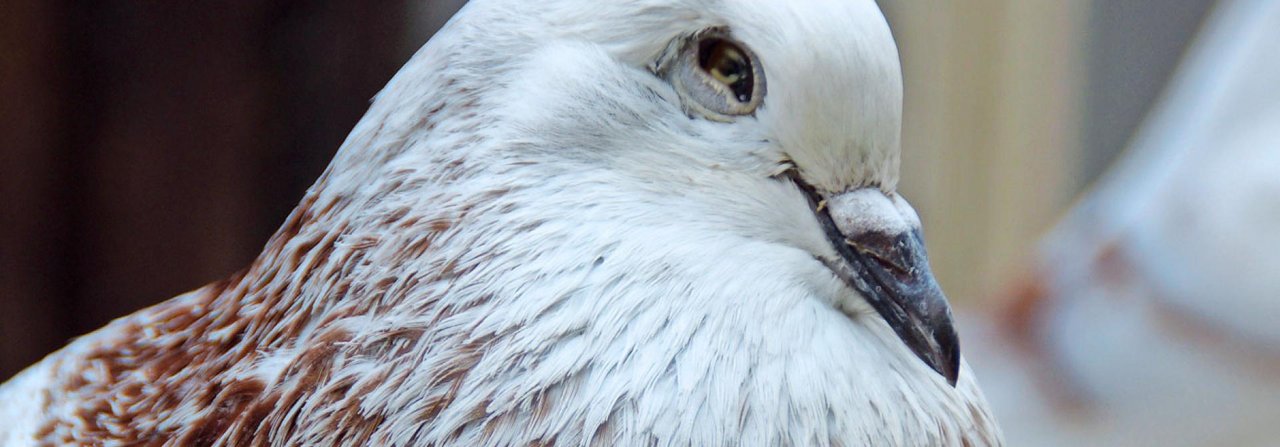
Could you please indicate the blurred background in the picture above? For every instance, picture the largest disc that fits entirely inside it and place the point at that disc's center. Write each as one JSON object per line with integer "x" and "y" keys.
{"x": 147, "y": 148}
{"x": 151, "y": 147}
{"x": 1013, "y": 107}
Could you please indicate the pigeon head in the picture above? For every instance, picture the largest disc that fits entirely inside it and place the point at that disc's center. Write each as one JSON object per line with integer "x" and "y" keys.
{"x": 776, "y": 122}
{"x": 709, "y": 182}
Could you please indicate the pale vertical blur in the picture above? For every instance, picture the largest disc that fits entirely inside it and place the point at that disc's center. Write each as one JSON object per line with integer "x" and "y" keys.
{"x": 1012, "y": 108}
{"x": 991, "y": 128}
{"x": 1149, "y": 316}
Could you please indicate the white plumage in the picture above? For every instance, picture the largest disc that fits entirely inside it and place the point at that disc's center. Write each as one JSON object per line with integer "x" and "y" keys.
{"x": 569, "y": 222}
{"x": 1152, "y": 321}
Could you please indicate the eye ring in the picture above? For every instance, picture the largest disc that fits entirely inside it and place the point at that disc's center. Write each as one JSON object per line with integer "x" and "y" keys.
{"x": 716, "y": 76}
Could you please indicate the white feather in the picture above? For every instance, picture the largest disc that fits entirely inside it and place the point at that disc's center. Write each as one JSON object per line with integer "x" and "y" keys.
{"x": 533, "y": 203}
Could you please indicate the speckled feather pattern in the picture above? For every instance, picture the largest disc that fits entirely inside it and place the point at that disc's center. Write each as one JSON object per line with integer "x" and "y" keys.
{"x": 527, "y": 241}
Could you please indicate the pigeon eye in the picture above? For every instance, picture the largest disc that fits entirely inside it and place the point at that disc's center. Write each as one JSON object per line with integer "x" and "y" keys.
{"x": 716, "y": 76}
{"x": 729, "y": 65}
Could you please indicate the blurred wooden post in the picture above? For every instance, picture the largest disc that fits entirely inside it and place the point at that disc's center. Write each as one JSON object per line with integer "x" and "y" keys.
{"x": 32, "y": 209}
{"x": 151, "y": 147}
{"x": 990, "y": 133}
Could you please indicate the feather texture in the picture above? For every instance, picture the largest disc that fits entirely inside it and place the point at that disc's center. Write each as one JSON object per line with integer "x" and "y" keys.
{"x": 526, "y": 241}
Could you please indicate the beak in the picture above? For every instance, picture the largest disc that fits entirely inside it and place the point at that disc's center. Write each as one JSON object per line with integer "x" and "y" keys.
{"x": 882, "y": 256}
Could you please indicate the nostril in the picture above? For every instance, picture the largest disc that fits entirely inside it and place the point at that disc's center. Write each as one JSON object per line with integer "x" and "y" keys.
{"x": 890, "y": 252}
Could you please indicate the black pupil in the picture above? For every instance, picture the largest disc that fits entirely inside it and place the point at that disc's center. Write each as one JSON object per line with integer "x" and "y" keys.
{"x": 728, "y": 64}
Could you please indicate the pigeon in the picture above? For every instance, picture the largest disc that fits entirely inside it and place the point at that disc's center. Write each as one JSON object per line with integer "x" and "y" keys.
{"x": 569, "y": 223}
{"x": 1149, "y": 319}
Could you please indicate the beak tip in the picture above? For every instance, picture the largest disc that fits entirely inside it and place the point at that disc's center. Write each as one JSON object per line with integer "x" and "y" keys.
{"x": 944, "y": 358}
{"x": 953, "y": 374}
{"x": 949, "y": 342}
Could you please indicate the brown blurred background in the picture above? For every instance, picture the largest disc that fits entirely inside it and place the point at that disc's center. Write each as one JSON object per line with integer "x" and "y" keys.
{"x": 151, "y": 147}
